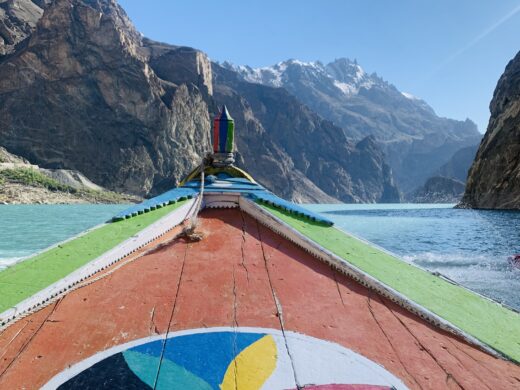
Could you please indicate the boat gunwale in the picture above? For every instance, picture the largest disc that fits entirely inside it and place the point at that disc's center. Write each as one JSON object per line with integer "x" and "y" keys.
{"x": 316, "y": 250}
{"x": 433, "y": 273}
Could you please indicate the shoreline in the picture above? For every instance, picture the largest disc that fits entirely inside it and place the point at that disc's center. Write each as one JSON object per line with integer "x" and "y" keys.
{"x": 16, "y": 193}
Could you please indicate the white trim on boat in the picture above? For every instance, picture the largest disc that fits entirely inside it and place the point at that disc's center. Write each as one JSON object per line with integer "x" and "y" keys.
{"x": 220, "y": 200}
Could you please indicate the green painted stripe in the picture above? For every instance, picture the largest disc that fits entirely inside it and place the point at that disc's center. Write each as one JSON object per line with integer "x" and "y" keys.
{"x": 485, "y": 320}
{"x": 26, "y": 278}
{"x": 230, "y": 137}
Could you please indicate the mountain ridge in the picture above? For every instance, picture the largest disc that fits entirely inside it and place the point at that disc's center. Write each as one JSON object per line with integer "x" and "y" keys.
{"x": 415, "y": 140}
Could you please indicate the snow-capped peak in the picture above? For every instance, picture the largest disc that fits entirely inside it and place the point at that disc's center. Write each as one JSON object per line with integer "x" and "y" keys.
{"x": 409, "y": 96}
{"x": 347, "y": 89}
{"x": 345, "y": 75}
{"x": 270, "y": 75}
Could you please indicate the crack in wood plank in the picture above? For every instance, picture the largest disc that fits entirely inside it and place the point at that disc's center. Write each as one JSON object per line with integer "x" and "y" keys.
{"x": 14, "y": 338}
{"x": 244, "y": 226}
{"x": 334, "y": 273}
{"x": 388, "y": 340}
{"x": 171, "y": 316}
{"x": 26, "y": 344}
{"x": 449, "y": 375}
{"x": 278, "y": 305}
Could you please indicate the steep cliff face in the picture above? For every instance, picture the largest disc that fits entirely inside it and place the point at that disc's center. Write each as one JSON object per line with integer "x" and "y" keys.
{"x": 81, "y": 95}
{"x": 18, "y": 19}
{"x": 494, "y": 178}
{"x": 84, "y": 91}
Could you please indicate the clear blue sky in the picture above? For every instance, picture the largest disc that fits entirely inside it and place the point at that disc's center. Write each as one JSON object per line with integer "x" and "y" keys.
{"x": 448, "y": 52}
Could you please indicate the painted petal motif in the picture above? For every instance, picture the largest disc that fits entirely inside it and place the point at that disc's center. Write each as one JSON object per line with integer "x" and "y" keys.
{"x": 252, "y": 367}
{"x": 228, "y": 359}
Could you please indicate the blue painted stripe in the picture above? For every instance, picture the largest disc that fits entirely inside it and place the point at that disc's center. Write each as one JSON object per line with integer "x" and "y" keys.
{"x": 164, "y": 199}
{"x": 225, "y": 187}
{"x": 222, "y": 183}
{"x": 223, "y": 135}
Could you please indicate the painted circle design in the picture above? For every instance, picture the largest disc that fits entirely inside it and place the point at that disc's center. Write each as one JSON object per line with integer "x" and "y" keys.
{"x": 225, "y": 359}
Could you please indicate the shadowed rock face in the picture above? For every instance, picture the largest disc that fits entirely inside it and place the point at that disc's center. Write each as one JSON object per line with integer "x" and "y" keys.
{"x": 494, "y": 178}
{"x": 439, "y": 189}
{"x": 84, "y": 91}
{"x": 17, "y": 20}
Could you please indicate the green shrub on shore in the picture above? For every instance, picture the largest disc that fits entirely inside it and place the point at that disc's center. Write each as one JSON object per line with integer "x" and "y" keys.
{"x": 34, "y": 178}
{"x": 31, "y": 177}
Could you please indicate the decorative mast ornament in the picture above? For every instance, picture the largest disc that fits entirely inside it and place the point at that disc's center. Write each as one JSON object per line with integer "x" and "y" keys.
{"x": 223, "y": 139}
{"x": 222, "y": 158}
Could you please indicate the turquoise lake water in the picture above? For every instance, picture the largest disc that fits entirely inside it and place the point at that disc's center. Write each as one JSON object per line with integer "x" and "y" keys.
{"x": 27, "y": 229}
{"x": 468, "y": 246}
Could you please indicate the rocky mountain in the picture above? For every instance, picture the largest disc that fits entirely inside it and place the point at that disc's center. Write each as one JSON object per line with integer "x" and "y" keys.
{"x": 458, "y": 165}
{"x": 438, "y": 189}
{"x": 80, "y": 94}
{"x": 494, "y": 178}
{"x": 309, "y": 146}
{"x": 81, "y": 89}
{"x": 415, "y": 140}
{"x": 18, "y": 19}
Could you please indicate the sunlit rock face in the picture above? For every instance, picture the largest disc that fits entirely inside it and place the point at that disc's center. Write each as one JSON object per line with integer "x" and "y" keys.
{"x": 494, "y": 178}
{"x": 81, "y": 95}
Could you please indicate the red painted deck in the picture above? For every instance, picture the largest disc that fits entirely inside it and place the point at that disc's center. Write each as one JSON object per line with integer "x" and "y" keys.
{"x": 240, "y": 274}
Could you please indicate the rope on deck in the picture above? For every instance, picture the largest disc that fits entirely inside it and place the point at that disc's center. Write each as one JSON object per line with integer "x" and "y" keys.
{"x": 189, "y": 232}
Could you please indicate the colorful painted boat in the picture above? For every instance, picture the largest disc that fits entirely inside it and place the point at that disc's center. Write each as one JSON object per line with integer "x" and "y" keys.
{"x": 220, "y": 284}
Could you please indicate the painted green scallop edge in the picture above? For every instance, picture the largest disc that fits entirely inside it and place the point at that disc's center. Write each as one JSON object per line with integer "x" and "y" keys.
{"x": 26, "y": 278}
{"x": 482, "y": 318}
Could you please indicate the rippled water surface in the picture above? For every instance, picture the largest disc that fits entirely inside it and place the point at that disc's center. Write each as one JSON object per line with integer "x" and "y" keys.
{"x": 26, "y": 229}
{"x": 468, "y": 246}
